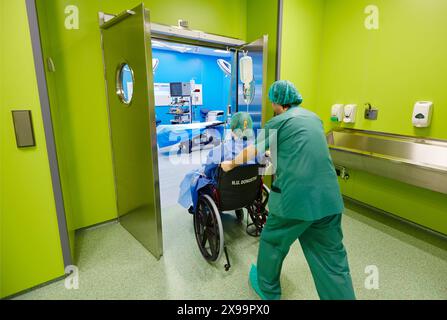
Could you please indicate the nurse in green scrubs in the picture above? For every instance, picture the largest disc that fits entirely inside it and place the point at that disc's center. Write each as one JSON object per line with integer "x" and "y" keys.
{"x": 305, "y": 201}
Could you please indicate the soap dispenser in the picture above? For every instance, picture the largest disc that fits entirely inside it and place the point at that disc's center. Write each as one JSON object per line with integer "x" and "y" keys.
{"x": 337, "y": 113}
{"x": 350, "y": 113}
{"x": 422, "y": 114}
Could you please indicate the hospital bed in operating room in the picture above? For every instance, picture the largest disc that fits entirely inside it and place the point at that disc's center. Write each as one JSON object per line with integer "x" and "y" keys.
{"x": 190, "y": 134}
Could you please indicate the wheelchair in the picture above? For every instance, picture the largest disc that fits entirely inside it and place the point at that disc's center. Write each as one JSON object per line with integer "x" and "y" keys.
{"x": 236, "y": 190}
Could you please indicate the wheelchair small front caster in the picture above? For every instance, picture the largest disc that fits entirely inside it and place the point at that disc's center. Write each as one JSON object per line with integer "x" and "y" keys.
{"x": 239, "y": 215}
{"x": 227, "y": 265}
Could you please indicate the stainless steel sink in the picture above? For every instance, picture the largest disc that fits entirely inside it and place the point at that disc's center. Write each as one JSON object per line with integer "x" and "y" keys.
{"x": 420, "y": 162}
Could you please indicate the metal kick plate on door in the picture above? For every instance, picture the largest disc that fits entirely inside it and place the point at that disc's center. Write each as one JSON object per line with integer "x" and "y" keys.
{"x": 23, "y": 127}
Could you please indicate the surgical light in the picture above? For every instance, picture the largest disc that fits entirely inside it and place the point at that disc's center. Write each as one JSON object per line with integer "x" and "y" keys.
{"x": 225, "y": 66}
{"x": 155, "y": 63}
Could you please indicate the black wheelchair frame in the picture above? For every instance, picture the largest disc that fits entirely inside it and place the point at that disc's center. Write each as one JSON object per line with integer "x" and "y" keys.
{"x": 236, "y": 190}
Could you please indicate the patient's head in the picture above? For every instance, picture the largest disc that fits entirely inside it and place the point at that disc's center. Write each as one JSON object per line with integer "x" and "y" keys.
{"x": 242, "y": 125}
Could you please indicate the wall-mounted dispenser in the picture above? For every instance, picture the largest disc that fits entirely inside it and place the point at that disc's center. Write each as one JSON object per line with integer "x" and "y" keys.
{"x": 350, "y": 112}
{"x": 370, "y": 112}
{"x": 337, "y": 114}
{"x": 422, "y": 114}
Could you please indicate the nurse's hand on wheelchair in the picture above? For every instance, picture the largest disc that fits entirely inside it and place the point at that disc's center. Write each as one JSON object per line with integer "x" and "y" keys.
{"x": 227, "y": 166}
{"x": 230, "y": 165}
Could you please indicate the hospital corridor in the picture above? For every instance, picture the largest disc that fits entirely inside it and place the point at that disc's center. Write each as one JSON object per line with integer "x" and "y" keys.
{"x": 113, "y": 265}
{"x": 226, "y": 150}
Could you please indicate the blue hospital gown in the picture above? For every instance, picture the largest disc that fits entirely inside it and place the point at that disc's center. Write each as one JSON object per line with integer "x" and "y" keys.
{"x": 197, "y": 179}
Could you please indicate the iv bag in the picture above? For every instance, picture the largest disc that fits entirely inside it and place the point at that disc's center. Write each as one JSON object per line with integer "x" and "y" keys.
{"x": 246, "y": 70}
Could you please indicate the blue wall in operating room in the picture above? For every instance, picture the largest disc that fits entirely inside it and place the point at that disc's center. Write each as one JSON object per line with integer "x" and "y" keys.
{"x": 184, "y": 67}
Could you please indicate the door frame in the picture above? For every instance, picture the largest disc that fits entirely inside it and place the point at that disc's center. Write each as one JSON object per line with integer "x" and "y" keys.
{"x": 49, "y": 131}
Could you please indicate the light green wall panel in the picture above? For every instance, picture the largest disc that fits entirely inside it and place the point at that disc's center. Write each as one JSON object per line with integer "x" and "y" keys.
{"x": 78, "y": 92}
{"x": 392, "y": 68}
{"x": 301, "y": 46}
{"x": 30, "y": 250}
{"x": 262, "y": 18}
{"x": 77, "y": 96}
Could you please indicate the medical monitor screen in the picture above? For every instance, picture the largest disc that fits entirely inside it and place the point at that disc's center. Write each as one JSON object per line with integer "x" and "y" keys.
{"x": 180, "y": 89}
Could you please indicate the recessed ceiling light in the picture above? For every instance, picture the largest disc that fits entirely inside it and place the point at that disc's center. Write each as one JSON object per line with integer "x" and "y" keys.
{"x": 180, "y": 48}
{"x": 158, "y": 44}
{"x": 221, "y": 51}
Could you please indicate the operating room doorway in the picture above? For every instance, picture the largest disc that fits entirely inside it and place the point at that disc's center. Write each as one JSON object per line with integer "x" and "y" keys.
{"x": 192, "y": 105}
{"x": 194, "y": 119}
{"x": 170, "y": 96}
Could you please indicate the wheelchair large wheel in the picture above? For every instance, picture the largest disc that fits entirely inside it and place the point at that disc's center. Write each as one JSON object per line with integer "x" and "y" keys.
{"x": 208, "y": 229}
{"x": 258, "y": 213}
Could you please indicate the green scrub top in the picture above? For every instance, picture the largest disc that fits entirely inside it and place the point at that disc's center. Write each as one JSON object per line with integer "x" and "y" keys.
{"x": 306, "y": 185}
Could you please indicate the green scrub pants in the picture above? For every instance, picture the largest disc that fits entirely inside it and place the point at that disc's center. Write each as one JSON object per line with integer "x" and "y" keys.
{"x": 323, "y": 248}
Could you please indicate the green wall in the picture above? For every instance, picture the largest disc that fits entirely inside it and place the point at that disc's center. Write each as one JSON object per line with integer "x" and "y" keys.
{"x": 30, "y": 250}
{"x": 262, "y": 18}
{"x": 301, "y": 46}
{"x": 78, "y": 94}
{"x": 392, "y": 68}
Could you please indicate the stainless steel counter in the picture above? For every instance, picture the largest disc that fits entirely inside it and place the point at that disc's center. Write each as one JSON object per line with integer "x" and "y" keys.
{"x": 420, "y": 162}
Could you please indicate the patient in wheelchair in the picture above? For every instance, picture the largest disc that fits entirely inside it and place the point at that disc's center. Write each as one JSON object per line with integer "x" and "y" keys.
{"x": 242, "y": 135}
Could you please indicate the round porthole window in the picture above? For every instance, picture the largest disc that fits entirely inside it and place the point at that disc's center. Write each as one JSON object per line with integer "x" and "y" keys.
{"x": 125, "y": 83}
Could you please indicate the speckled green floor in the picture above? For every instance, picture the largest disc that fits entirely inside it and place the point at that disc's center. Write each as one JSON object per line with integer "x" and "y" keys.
{"x": 412, "y": 264}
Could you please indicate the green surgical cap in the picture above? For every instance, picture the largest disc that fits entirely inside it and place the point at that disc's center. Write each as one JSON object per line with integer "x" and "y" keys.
{"x": 283, "y": 92}
{"x": 242, "y": 125}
